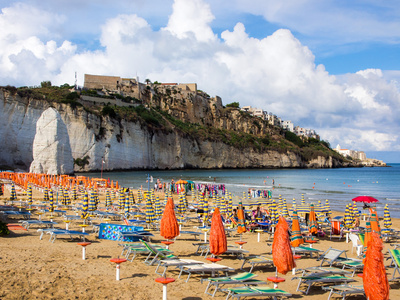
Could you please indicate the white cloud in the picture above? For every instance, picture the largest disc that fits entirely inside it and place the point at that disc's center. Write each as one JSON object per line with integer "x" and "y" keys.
{"x": 276, "y": 73}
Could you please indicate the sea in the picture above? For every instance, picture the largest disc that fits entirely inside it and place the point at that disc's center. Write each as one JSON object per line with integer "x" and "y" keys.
{"x": 338, "y": 185}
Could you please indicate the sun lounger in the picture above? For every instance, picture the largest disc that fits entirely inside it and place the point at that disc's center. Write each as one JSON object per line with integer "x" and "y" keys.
{"x": 231, "y": 250}
{"x": 306, "y": 250}
{"x": 24, "y": 214}
{"x": 309, "y": 280}
{"x": 135, "y": 234}
{"x": 28, "y": 223}
{"x": 15, "y": 227}
{"x": 159, "y": 254}
{"x": 254, "y": 260}
{"x": 355, "y": 265}
{"x": 256, "y": 292}
{"x": 332, "y": 256}
{"x": 395, "y": 255}
{"x": 212, "y": 268}
{"x": 56, "y": 232}
{"x": 195, "y": 234}
{"x": 344, "y": 290}
{"x": 241, "y": 278}
{"x": 322, "y": 271}
{"x": 175, "y": 262}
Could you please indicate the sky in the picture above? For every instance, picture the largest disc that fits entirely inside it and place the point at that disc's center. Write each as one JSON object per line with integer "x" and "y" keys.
{"x": 332, "y": 66}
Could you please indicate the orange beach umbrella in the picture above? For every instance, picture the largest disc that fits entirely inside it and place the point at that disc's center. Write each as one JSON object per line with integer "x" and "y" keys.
{"x": 169, "y": 227}
{"x": 218, "y": 242}
{"x": 281, "y": 251}
{"x": 313, "y": 221}
{"x": 241, "y": 227}
{"x": 376, "y": 285}
{"x": 297, "y": 238}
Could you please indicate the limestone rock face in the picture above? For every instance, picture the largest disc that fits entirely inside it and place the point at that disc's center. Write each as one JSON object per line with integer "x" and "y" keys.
{"x": 51, "y": 148}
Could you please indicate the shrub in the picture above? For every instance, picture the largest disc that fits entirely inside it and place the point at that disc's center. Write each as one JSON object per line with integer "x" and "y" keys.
{"x": 108, "y": 110}
{"x": 4, "y": 229}
{"x": 233, "y": 104}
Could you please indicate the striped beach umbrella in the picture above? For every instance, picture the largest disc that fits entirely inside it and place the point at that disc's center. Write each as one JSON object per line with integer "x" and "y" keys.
{"x": 375, "y": 221}
{"x": 51, "y": 199}
{"x": 121, "y": 199}
{"x": 296, "y": 238}
{"x": 74, "y": 194}
{"x": 356, "y": 213}
{"x": 108, "y": 199}
{"x": 348, "y": 220}
{"x": 85, "y": 206}
{"x": 29, "y": 194}
{"x": 131, "y": 199}
{"x": 140, "y": 195}
{"x": 206, "y": 209}
{"x": 150, "y": 216}
{"x": 13, "y": 194}
{"x": 126, "y": 207}
{"x": 313, "y": 227}
{"x": 46, "y": 194}
{"x": 274, "y": 213}
{"x": 181, "y": 205}
{"x": 113, "y": 196}
{"x": 67, "y": 198}
{"x": 157, "y": 207}
{"x": 387, "y": 220}
{"x": 92, "y": 201}
{"x": 327, "y": 207}
{"x": 303, "y": 202}
{"x": 294, "y": 204}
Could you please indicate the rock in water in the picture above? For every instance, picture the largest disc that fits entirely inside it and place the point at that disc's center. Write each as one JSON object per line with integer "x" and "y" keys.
{"x": 51, "y": 148}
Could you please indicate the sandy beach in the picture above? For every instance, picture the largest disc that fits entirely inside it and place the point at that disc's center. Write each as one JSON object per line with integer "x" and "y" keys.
{"x": 31, "y": 268}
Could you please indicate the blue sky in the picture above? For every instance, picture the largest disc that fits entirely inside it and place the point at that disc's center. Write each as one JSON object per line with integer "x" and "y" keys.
{"x": 333, "y": 66}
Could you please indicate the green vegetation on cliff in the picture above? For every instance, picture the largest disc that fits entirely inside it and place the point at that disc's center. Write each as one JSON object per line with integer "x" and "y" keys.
{"x": 260, "y": 136}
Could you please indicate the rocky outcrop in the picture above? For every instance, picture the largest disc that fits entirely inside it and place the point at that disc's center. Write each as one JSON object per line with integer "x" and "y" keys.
{"x": 51, "y": 148}
{"x": 125, "y": 145}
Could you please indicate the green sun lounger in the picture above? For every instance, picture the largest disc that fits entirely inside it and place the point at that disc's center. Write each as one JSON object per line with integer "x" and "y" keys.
{"x": 309, "y": 280}
{"x": 256, "y": 292}
{"x": 332, "y": 256}
{"x": 241, "y": 278}
{"x": 395, "y": 255}
{"x": 158, "y": 254}
{"x": 306, "y": 250}
{"x": 344, "y": 290}
{"x": 355, "y": 265}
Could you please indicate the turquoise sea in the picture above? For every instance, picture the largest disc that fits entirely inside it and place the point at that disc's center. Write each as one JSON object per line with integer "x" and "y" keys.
{"x": 339, "y": 186}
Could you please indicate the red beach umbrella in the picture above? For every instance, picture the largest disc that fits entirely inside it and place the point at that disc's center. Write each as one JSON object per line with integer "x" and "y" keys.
{"x": 365, "y": 199}
{"x": 376, "y": 285}
{"x": 281, "y": 251}
{"x": 218, "y": 243}
{"x": 169, "y": 227}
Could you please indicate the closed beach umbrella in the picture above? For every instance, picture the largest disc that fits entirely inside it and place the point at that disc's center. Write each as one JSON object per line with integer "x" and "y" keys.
{"x": 74, "y": 194}
{"x": 285, "y": 212}
{"x": 108, "y": 199}
{"x": 46, "y": 194}
{"x": 85, "y": 206}
{"x": 206, "y": 209}
{"x": 375, "y": 221}
{"x": 367, "y": 236}
{"x": 303, "y": 202}
{"x": 218, "y": 242}
{"x": 348, "y": 220}
{"x": 297, "y": 238}
{"x": 241, "y": 227}
{"x": 126, "y": 207}
{"x": 92, "y": 201}
{"x": 387, "y": 220}
{"x": 149, "y": 211}
{"x": 313, "y": 221}
{"x": 13, "y": 194}
{"x": 281, "y": 250}
{"x": 67, "y": 198}
{"x": 29, "y": 194}
{"x": 51, "y": 199}
{"x": 181, "y": 205}
{"x": 158, "y": 210}
{"x": 376, "y": 285}
{"x": 356, "y": 214}
{"x": 169, "y": 227}
{"x": 273, "y": 213}
{"x": 131, "y": 199}
{"x": 121, "y": 199}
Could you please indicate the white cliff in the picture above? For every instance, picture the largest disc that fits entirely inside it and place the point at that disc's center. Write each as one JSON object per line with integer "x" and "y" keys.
{"x": 51, "y": 148}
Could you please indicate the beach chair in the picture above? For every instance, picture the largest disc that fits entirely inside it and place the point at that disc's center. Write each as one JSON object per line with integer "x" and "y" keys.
{"x": 28, "y": 223}
{"x": 354, "y": 264}
{"x": 336, "y": 229}
{"x": 72, "y": 233}
{"x": 332, "y": 256}
{"x": 241, "y": 278}
{"x": 142, "y": 234}
{"x": 230, "y": 250}
{"x": 175, "y": 262}
{"x": 322, "y": 271}
{"x": 395, "y": 256}
{"x": 344, "y": 290}
{"x": 306, "y": 250}
{"x": 309, "y": 280}
{"x": 138, "y": 249}
{"x": 253, "y": 292}
{"x": 202, "y": 269}
{"x": 254, "y": 260}
{"x": 159, "y": 254}
{"x": 354, "y": 238}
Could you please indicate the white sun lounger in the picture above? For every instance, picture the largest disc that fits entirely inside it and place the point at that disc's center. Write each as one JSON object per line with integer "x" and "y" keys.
{"x": 203, "y": 269}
